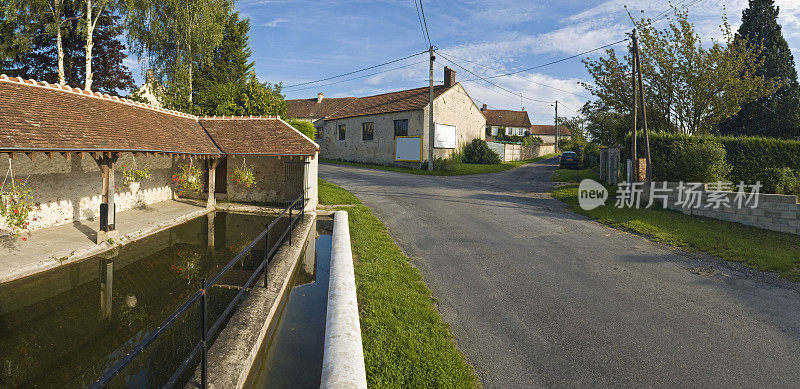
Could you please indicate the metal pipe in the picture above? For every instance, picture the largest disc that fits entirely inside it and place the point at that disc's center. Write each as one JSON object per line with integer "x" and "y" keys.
{"x": 203, "y": 310}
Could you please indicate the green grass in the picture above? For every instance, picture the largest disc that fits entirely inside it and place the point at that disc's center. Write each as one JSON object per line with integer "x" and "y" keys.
{"x": 332, "y": 194}
{"x": 760, "y": 249}
{"x": 573, "y": 175}
{"x": 406, "y": 342}
{"x": 460, "y": 168}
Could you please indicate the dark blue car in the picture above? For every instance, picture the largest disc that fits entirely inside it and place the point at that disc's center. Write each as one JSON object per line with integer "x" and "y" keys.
{"x": 569, "y": 160}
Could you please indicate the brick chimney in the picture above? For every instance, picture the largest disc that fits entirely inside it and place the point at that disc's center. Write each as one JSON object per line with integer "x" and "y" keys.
{"x": 449, "y": 77}
{"x": 483, "y": 108}
{"x": 320, "y": 96}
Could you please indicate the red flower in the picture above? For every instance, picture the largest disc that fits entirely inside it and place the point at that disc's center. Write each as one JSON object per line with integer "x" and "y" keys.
{"x": 24, "y": 239}
{"x": 16, "y": 211}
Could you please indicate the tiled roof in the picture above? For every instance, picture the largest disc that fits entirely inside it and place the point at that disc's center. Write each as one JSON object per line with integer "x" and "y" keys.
{"x": 406, "y": 100}
{"x": 37, "y": 116}
{"x": 309, "y": 108}
{"x": 545, "y": 129}
{"x": 257, "y": 135}
{"x": 506, "y": 118}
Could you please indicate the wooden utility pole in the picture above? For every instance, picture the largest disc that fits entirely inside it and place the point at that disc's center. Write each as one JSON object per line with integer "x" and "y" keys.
{"x": 556, "y": 125}
{"x": 430, "y": 114}
{"x": 634, "y": 159}
{"x": 644, "y": 111}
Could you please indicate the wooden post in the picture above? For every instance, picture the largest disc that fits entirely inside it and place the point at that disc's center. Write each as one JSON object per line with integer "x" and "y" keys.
{"x": 107, "y": 211}
{"x": 212, "y": 182}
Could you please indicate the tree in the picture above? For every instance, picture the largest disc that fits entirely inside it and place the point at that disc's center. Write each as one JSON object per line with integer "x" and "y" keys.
{"x": 604, "y": 126}
{"x": 47, "y": 13}
{"x": 92, "y": 13}
{"x": 688, "y": 87}
{"x": 304, "y": 126}
{"x": 230, "y": 61}
{"x": 242, "y": 99}
{"x": 778, "y": 114}
{"x": 175, "y": 35}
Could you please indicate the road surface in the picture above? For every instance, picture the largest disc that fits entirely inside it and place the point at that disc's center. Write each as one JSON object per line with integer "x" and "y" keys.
{"x": 538, "y": 296}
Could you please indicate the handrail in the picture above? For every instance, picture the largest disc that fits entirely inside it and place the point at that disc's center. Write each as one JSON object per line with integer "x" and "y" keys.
{"x": 202, "y": 345}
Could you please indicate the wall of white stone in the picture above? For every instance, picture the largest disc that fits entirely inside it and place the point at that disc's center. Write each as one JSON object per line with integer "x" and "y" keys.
{"x": 277, "y": 180}
{"x": 69, "y": 191}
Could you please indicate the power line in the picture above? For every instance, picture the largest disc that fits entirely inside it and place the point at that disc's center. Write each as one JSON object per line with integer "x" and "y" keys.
{"x": 491, "y": 83}
{"x": 531, "y": 81}
{"x": 359, "y": 77}
{"x": 356, "y": 71}
{"x": 425, "y": 22}
{"x": 421, "y": 26}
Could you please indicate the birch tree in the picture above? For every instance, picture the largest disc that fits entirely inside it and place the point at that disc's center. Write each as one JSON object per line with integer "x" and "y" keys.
{"x": 92, "y": 12}
{"x": 50, "y": 11}
{"x": 174, "y": 35}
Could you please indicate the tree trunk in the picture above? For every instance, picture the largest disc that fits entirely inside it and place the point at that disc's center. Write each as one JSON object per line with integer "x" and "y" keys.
{"x": 61, "y": 78}
{"x": 89, "y": 45}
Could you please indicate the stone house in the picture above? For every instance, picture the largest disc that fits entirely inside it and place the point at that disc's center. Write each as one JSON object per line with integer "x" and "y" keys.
{"x": 548, "y": 132}
{"x": 510, "y": 122}
{"x": 72, "y": 145}
{"x": 392, "y": 128}
{"x": 316, "y": 110}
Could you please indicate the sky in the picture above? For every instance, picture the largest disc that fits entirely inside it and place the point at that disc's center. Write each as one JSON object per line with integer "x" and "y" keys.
{"x": 297, "y": 41}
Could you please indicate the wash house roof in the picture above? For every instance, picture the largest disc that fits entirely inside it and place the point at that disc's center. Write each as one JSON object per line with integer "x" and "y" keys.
{"x": 506, "y": 118}
{"x": 405, "y": 100}
{"x": 37, "y": 116}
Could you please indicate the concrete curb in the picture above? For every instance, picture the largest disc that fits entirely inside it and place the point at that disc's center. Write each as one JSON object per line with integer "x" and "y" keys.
{"x": 343, "y": 359}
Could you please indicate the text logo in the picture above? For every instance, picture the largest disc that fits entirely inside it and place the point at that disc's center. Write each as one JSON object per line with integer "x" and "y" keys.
{"x": 591, "y": 194}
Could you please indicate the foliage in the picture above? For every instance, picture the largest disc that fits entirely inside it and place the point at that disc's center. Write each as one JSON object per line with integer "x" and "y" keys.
{"x": 678, "y": 157}
{"x": 605, "y": 126}
{"x": 444, "y": 164}
{"x": 187, "y": 263}
{"x": 189, "y": 179}
{"x": 304, "y": 126}
{"x": 242, "y": 99}
{"x": 776, "y": 115}
{"x": 134, "y": 174}
{"x": 479, "y": 152}
{"x": 175, "y": 36}
{"x": 243, "y": 176}
{"x": 757, "y": 248}
{"x": 16, "y": 204}
{"x": 531, "y": 140}
{"x": 230, "y": 61}
{"x": 39, "y": 57}
{"x": 782, "y": 181}
{"x": 688, "y": 87}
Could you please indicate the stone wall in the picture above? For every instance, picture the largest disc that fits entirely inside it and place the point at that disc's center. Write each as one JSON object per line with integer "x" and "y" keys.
{"x": 773, "y": 212}
{"x": 277, "y": 180}
{"x": 517, "y": 152}
{"x": 69, "y": 191}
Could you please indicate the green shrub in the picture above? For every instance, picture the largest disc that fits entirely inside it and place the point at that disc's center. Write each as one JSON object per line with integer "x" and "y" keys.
{"x": 444, "y": 164}
{"x": 781, "y": 181}
{"x": 678, "y": 157}
{"x": 304, "y": 126}
{"x": 478, "y": 151}
{"x": 531, "y": 140}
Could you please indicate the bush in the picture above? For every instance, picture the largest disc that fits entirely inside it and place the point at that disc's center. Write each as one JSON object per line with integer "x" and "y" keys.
{"x": 531, "y": 140}
{"x": 478, "y": 151}
{"x": 304, "y": 126}
{"x": 444, "y": 164}
{"x": 781, "y": 181}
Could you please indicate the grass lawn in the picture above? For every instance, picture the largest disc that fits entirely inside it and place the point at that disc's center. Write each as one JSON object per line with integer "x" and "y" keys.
{"x": 406, "y": 342}
{"x": 573, "y": 175}
{"x": 460, "y": 168}
{"x": 761, "y": 249}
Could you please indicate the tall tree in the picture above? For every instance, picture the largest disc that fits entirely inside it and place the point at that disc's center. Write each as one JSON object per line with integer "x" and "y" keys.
{"x": 689, "y": 87}
{"x": 776, "y": 115}
{"x": 175, "y": 35}
{"x": 230, "y": 61}
{"x": 92, "y": 12}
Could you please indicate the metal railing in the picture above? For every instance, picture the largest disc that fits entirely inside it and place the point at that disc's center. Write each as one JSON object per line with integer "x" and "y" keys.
{"x": 206, "y": 334}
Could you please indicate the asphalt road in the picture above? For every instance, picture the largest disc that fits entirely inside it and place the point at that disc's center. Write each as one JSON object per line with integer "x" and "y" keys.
{"x": 538, "y": 296}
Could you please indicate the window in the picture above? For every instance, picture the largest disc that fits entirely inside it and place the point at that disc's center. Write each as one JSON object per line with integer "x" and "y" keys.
{"x": 342, "y": 129}
{"x": 494, "y": 131}
{"x": 318, "y": 135}
{"x": 367, "y": 130}
{"x": 401, "y": 128}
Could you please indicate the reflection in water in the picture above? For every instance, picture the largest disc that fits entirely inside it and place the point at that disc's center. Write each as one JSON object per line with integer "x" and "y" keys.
{"x": 292, "y": 357}
{"x": 55, "y": 333}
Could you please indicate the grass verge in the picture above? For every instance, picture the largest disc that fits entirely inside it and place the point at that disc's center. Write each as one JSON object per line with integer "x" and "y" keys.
{"x": 406, "y": 342}
{"x": 573, "y": 175}
{"x": 459, "y": 170}
{"x": 760, "y": 249}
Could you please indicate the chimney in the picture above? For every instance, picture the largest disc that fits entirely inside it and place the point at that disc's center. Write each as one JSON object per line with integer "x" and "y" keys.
{"x": 320, "y": 96}
{"x": 449, "y": 77}
{"x": 150, "y": 77}
{"x": 483, "y": 108}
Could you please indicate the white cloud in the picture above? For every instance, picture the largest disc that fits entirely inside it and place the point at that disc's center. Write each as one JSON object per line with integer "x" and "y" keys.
{"x": 274, "y": 22}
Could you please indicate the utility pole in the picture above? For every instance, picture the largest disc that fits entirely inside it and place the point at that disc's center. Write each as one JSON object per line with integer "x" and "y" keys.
{"x": 634, "y": 161}
{"x": 644, "y": 111}
{"x": 556, "y": 125}
{"x": 430, "y": 114}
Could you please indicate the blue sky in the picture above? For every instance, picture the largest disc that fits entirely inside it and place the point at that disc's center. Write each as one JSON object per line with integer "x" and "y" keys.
{"x": 295, "y": 41}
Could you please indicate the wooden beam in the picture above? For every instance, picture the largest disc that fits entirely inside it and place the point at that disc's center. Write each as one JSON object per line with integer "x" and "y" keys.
{"x": 32, "y": 156}
{"x": 49, "y": 154}
{"x": 12, "y": 155}
{"x": 82, "y": 155}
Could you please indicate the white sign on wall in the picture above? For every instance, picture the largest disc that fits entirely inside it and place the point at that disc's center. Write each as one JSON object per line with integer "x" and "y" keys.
{"x": 408, "y": 148}
{"x": 445, "y": 136}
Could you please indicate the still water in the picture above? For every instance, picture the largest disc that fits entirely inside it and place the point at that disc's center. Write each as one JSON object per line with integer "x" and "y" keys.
{"x": 64, "y": 327}
{"x": 292, "y": 357}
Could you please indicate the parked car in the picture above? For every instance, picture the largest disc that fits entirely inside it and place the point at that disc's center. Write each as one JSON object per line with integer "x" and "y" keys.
{"x": 569, "y": 160}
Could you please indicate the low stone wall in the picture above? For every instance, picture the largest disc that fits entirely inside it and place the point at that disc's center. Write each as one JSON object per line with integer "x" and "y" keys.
{"x": 278, "y": 180}
{"x": 516, "y": 152}
{"x": 69, "y": 190}
{"x": 773, "y": 212}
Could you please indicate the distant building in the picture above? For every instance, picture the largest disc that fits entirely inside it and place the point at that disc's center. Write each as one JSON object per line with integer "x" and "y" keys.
{"x": 548, "y": 132}
{"x": 392, "y": 128}
{"x": 316, "y": 110}
{"x": 506, "y": 121}
{"x": 149, "y": 91}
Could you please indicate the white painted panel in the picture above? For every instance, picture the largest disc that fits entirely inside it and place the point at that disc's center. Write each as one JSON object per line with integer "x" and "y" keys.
{"x": 408, "y": 149}
{"x": 445, "y": 136}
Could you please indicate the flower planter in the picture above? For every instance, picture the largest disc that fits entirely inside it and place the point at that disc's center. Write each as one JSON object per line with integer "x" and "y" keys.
{"x": 134, "y": 186}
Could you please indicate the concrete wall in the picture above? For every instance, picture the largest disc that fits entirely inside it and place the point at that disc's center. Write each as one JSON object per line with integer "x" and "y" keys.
{"x": 277, "y": 180}
{"x": 69, "y": 191}
{"x": 774, "y": 212}
{"x": 453, "y": 107}
{"x": 515, "y": 152}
